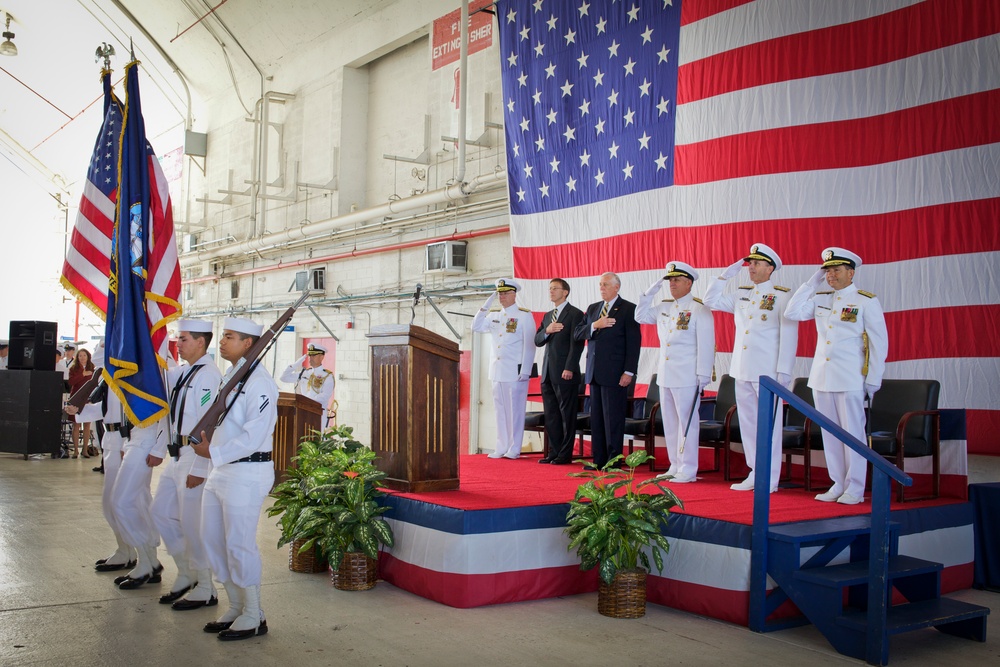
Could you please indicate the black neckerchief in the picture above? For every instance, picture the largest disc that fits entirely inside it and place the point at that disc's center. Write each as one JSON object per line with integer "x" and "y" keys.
{"x": 183, "y": 383}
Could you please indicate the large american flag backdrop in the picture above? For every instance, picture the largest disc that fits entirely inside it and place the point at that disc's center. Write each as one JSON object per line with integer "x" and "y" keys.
{"x": 643, "y": 131}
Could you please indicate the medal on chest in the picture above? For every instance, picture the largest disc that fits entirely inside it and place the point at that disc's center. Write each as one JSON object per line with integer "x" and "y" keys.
{"x": 849, "y": 314}
{"x": 767, "y": 302}
{"x": 683, "y": 320}
{"x": 511, "y": 326}
{"x": 316, "y": 382}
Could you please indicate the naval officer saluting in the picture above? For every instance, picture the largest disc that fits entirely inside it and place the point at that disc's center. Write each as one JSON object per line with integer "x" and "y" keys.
{"x": 315, "y": 381}
{"x": 512, "y": 332}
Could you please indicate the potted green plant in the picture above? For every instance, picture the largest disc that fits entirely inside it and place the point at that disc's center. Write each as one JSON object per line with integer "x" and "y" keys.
{"x": 612, "y": 521}
{"x": 291, "y": 496}
{"x": 340, "y": 513}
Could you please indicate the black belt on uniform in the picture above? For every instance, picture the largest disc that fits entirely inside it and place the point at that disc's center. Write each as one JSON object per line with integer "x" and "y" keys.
{"x": 112, "y": 427}
{"x": 256, "y": 457}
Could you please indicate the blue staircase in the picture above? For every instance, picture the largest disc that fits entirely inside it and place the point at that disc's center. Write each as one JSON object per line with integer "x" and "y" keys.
{"x": 850, "y": 603}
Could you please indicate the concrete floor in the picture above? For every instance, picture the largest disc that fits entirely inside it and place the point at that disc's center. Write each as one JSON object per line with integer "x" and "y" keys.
{"x": 56, "y": 610}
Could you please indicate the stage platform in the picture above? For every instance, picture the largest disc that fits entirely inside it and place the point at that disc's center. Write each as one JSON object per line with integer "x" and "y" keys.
{"x": 499, "y": 539}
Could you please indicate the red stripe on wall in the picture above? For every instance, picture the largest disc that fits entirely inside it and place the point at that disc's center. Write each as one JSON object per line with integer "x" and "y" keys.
{"x": 878, "y": 238}
{"x": 981, "y": 429}
{"x": 950, "y": 124}
{"x": 920, "y": 28}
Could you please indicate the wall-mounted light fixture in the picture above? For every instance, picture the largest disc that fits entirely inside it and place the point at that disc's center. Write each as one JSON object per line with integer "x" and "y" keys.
{"x": 7, "y": 48}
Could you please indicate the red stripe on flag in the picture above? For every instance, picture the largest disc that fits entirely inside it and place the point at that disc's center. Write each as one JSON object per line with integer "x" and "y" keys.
{"x": 951, "y": 124}
{"x": 919, "y": 28}
{"x": 97, "y": 297}
{"x": 696, "y": 10}
{"x": 933, "y": 333}
{"x": 887, "y": 237}
{"x": 981, "y": 428}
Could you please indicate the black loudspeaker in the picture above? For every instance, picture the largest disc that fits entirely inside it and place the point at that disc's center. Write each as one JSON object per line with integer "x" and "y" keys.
{"x": 32, "y": 346}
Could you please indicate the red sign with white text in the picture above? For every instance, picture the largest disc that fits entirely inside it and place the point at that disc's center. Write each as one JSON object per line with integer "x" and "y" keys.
{"x": 447, "y": 36}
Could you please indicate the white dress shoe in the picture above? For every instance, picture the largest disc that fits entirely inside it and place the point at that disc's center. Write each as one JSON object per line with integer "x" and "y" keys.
{"x": 683, "y": 480}
{"x": 848, "y": 499}
{"x": 745, "y": 485}
{"x": 494, "y": 455}
{"x": 512, "y": 458}
{"x": 830, "y": 496}
{"x": 665, "y": 475}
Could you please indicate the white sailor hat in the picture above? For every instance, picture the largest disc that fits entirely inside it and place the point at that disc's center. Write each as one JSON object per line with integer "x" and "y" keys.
{"x": 764, "y": 253}
{"x": 196, "y": 326}
{"x": 840, "y": 257}
{"x": 677, "y": 269}
{"x": 243, "y": 326}
{"x": 315, "y": 349}
{"x": 507, "y": 285}
{"x": 4, "y": 343}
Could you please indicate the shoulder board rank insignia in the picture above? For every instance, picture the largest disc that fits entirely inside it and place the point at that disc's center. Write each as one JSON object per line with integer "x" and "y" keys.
{"x": 495, "y": 309}
{"x": 697, "y": 300}
{"x": 524, "y": 310}
{"x": 746, "y": 287}
{"x": 782, "y": 288}
{"x": 867, "y": 294}
{"x": 826, "y": 292}
{"x": 668, "y": 301}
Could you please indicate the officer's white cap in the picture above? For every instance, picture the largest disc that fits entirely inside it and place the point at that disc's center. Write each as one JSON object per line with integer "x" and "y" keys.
{"x": 764, "y": 253}
{"x": 677, "y": 269}
{"x": 316, "y": 349}
{"x": 507, "y": 285}
{"x": 840, "y": 257}
{"x": 194, "y": 326}
{"x": 243, "y": 326}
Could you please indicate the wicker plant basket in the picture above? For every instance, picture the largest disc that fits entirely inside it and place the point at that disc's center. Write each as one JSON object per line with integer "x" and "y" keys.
{"x": 308, "y": 561}
{"x": 357, "y": 572}
{"x": 625, "y": 597}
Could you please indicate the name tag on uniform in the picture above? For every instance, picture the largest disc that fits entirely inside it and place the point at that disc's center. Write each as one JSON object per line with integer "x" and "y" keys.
{"x": 512, "y": 326}
{"x": 767, "y": 302}
{"x": 683, "y": 319}
{"x": 849, "y": 314}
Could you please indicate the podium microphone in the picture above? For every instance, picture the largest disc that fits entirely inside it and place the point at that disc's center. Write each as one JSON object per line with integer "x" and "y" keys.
{"x": 416, "y": 300}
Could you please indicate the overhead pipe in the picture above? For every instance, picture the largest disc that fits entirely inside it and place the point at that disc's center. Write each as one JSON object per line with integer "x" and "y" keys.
{"x": 452, "y": 193}
{"x": 456, "y": 236}
{"x": 463, "y": 62}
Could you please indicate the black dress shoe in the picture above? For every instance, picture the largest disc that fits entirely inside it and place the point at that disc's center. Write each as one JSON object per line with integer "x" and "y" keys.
{"x": 114, "y": 567}
{"x": 130, "y": 583}
{"x": 186, "y": 605}
{"x": 102, "y": 561}
{"x": 215, "y": 627}
{"x": 545, "y": 460}
{"x": 234, "y": 635}
{"x": 561, "y": 462}
{"x": 175, "y": 595}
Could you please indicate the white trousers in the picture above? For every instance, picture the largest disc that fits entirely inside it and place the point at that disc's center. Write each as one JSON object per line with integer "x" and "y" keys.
{"x": 847, "y": 469}
{"x": 131, "y": 497}
{"x": 230, "y": 511}
{"x": 747, "y": 394}
{"x": 176, "y": 511}
{"x": 112, "y": 446}
{"x": 509, "y": 401}
{"x": 675, "y": 406}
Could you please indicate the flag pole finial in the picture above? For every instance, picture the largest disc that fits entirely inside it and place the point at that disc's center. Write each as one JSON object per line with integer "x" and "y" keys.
{"x": 104, "y": 51}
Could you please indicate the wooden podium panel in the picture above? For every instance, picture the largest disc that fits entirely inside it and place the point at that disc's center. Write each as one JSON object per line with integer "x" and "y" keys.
{"x": 415, "y": 407}
{"x": 298, "y": 416}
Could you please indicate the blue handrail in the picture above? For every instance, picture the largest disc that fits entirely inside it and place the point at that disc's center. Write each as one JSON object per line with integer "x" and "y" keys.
{"x": 883, "y": 472}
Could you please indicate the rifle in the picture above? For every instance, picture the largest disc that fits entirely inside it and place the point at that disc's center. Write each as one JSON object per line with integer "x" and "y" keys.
{"x": 82, "y": 395}
{"x": 210, "y": 420}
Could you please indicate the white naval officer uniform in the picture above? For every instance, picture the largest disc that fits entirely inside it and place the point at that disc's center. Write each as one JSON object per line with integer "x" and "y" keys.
{"x": 236, "y": 490}
{"x": 176, "y": 509}
{"x": 686, "y": 330}
{"x": 112, "y": 445}
{"x": 512, "y": 352}
{"x": 764, "y": 345}
{"x": 315, "y": 383}
{"x": 836, "y": 378}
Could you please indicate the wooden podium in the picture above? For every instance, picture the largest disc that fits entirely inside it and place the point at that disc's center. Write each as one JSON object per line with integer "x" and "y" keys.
{"x": 298, "y": 417}
{"x": 415, "y": 407}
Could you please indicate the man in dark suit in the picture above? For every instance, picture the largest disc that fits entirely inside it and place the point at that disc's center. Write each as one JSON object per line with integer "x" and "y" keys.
{"x": 560, "y": 372}
{"x": 613, "y": 341}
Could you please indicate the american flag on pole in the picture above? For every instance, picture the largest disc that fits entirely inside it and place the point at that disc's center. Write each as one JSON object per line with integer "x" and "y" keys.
{"x": 144, "y": 278}
{"x": 643, "y": 131}
{"x": 85, "y": 270}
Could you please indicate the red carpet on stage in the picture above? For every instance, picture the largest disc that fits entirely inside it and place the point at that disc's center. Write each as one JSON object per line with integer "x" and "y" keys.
{"x": 488, "y": 484}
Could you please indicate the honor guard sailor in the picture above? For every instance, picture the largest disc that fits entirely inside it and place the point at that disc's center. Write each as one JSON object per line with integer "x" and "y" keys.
{"x": 851, "y": 348}
{"x": 512, "y": 352}
{"x": 176, "y": 508}
{"x": 240, "y": 479}
{"x": 314, "y": 381}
